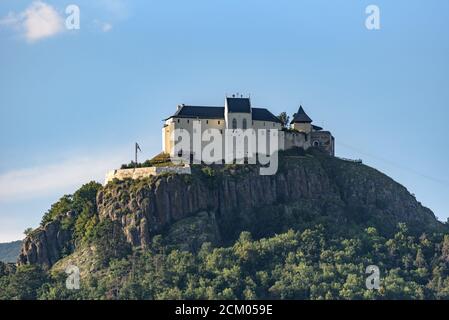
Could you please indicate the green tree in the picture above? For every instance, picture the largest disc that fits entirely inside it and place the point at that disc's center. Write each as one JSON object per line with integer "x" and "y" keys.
{"x": 284, "y": 118}
{"x": 23, "y": 284}
{"x": 62, "y": 206}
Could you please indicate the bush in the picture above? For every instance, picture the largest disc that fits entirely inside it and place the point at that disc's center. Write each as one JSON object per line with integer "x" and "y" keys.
{"x": 160, "y": 160}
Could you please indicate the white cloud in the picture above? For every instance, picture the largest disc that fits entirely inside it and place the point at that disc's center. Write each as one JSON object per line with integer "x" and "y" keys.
{"x": 62, "y": 177}
{"x": 40, "y": 20}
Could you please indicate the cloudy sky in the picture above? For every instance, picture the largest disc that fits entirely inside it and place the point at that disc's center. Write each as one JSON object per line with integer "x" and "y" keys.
{"x": 73, "y": 102}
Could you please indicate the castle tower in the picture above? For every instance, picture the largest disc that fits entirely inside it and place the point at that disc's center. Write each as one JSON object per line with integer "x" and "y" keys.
{"x": 237, "y": 113}
{"x": 301, "y": 121}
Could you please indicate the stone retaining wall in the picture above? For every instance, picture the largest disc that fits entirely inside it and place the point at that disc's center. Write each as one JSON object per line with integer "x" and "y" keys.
{"x": 139, "y": 173}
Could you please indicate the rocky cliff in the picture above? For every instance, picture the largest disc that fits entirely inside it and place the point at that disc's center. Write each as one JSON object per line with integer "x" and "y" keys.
{"x": 239, "y": 198}
{"x": 46, "y": 244}
{"x": 216, "y": 203}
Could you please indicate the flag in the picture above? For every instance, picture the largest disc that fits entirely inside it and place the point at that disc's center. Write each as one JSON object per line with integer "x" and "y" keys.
{"x": 138, "y": 147}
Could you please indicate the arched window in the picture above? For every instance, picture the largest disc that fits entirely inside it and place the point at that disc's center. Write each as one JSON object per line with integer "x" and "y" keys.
{"x": 244, "y": 124}
{"x": 316, "y": 143}
{"x": 234, "y": 123}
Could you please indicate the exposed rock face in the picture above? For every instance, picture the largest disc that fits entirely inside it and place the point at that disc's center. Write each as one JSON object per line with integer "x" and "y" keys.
{"x": 329, "y": 186}
{"x": 217, "y": 204}
{"x": 159, "y": 203}
{"x": 45, "y": 245}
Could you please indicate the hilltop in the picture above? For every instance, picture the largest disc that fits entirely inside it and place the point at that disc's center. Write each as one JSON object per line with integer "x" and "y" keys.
{"x": 317, "y": 211}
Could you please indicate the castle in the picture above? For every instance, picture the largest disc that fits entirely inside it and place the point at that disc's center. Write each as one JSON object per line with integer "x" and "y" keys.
{"x": 238, "y": 113}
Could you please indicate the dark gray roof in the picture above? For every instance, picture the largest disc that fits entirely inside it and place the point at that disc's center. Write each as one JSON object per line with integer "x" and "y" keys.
{"x": 199, "y": 112}
{"x": 301, "y": 116}
{"x": 259, "y": 114}
{"x": 240, "y": 105}
{"x": 316, "y": 128}
{"x": 262, "y": 114}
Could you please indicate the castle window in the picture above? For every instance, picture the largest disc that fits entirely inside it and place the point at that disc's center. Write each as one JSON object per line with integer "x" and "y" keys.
{"x": 207, "y": 121}
{"x": 188, "y": 121}
{"x": 218, "y": 121}
{"x": 178, "y": 120}
{"x": 234, "y": 123}
{"x": 244, "y": 124}
{"x": 264, "y": 124}
{"x": 316, "y": 143}
{"x": 273, "y": 124}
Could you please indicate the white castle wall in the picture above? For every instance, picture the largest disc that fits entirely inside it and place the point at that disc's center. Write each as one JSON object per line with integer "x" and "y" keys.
{"x": 139, "y": 173}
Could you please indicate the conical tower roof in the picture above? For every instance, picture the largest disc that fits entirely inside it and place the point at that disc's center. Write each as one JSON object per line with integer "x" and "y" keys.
{"x": 301, "y": 116}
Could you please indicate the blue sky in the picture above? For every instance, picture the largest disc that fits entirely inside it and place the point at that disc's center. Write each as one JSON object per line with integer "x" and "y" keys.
{"x": 73, "y": 102}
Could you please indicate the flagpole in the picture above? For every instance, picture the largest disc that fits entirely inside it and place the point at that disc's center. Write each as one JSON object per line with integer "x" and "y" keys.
{"x": 135, "y": 163}
{"x": 135, "y": 159}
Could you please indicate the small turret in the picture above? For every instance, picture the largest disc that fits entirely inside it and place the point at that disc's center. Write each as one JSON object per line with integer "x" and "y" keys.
{"x": 301, "y": 121}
